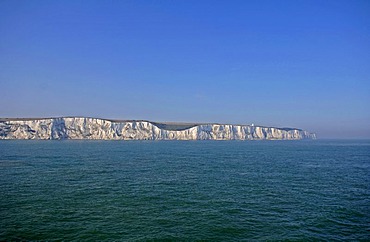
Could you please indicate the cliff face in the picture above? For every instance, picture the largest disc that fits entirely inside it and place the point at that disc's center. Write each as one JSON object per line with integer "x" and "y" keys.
{"x": 101, "y": 129}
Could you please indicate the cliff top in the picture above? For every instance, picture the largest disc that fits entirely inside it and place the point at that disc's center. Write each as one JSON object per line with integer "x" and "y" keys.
{"x": 162, "y": 125}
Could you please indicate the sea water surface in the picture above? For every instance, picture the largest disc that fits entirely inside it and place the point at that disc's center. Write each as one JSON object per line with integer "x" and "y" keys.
{"x": 185, "y": 190}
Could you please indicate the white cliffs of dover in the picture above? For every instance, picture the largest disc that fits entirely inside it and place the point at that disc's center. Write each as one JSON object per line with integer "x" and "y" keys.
{"x": 103, "y": 129}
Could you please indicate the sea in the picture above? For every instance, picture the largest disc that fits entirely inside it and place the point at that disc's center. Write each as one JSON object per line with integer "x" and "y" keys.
{"x": 69, "y": 190}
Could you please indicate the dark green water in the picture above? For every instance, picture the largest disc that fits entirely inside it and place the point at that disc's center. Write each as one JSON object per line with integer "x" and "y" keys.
{"x": 203, "y": 190}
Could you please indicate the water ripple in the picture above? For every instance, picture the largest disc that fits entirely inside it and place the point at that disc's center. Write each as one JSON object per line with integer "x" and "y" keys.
{"x": 184, "y": 191}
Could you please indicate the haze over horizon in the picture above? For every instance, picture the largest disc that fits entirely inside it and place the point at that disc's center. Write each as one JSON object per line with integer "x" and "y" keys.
{"x": 302, "y": 64}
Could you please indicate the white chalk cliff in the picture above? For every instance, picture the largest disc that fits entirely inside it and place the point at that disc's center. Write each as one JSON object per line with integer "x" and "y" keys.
{"x": 102, "y": 129}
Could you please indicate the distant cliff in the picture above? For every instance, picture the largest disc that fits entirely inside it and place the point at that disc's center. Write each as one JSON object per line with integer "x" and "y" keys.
{"x": 102, "y": 129}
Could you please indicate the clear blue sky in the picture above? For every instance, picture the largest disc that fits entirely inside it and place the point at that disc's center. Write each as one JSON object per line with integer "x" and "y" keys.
{"x": 302, "y": 64}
